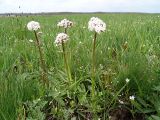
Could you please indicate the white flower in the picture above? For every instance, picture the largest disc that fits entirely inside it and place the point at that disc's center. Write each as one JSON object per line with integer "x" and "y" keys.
{"x": 80, "y": 42}
{"x": 30, "y": 40}
{"x": 101, "y": 66}
{"x": 97, "y": 25}
{"x": 65, "y": 23}
{"x": 121, "y": 102}
{"x": 33, "y": 26}
{"x": 143, "y": 45}
{"x": 61, "y": 37}
{"x": 132, "y": 97}
{"x": 126, "y": 42}
{"x": 127, "y": 80}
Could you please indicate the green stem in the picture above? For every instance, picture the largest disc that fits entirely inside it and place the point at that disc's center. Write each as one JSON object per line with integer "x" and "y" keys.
{"x": 42, "y": 61}
{"x": 65, "y": 30}
{"x": 67, "y": 68}
{"x": 93, "y": 70}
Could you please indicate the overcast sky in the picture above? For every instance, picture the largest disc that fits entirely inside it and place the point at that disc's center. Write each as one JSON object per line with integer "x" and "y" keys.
{"x": 10, "y": 6}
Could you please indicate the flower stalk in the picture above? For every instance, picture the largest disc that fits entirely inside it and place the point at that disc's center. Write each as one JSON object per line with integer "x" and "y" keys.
{"x": 97, "y": 26}
{"x": 42, "y": 62}
{"x": 93, "y": 72}
{"x": 67, "y": 68}
{"x": 93, "y": 64}
{"x": 61, "y": 39}
{"x": 65, "y": 30}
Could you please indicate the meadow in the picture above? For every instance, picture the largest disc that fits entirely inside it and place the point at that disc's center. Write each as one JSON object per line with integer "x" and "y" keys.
{"x": 127, "y": 69}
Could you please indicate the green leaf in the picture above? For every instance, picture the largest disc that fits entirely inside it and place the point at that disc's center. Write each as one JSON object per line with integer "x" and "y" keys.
{"x": 155, "y": 117}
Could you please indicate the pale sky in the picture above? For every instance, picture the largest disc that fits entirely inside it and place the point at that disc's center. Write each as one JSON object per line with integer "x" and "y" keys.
{"x": 33, "y": 6}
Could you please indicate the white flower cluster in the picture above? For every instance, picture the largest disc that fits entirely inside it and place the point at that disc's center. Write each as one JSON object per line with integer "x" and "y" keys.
{"x": 33, "y": 26}
{"x": 61, "y": 37}
{"x": 97, "y": 25}
{"x": 65, "y": 23}
{"x": 132, "y": 97}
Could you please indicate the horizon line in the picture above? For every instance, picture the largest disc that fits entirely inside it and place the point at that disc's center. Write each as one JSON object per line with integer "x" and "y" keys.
{"x": 33, "y": 13}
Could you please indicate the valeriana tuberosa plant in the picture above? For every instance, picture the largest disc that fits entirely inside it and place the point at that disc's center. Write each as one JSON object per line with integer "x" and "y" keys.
{"x": 65, "y": 24}
{"x": 35, "y": 26}
{"x": 97, "y": 26}
{"x": 61, "y": 39}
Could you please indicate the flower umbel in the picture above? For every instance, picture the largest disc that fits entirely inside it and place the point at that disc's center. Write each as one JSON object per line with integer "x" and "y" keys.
{"x": 65, "y": 23}
{"x": 33, "y": 26}
{"x": 132, "y": 97}
{"x": 61, "y": 37}
{"x": 97, "y": 25}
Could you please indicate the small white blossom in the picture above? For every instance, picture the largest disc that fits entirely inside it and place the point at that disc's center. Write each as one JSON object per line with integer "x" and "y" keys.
{"x": 132, "y": 97}
{"x": 126, "y": 42}
{"x": 121, "y": 102}
{"x": 33, "y": 26}
{"x": 97, "y": 25}
{"x": 30, "y": 40}
{"x": 143, "y": 45}
{"x": 101, "y": 66}
{"x": 65, "y": 23}
{"x": 81, "y": 67}
{"x": 127, "y": 80}
{"x": 61, "y": 37}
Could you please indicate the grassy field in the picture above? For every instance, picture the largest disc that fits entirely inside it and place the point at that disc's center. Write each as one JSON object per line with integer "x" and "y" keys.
{"x": 129, "y": 48}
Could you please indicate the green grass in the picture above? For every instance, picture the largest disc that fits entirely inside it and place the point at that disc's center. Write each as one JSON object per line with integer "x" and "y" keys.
{"x": 140, "y": 62}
